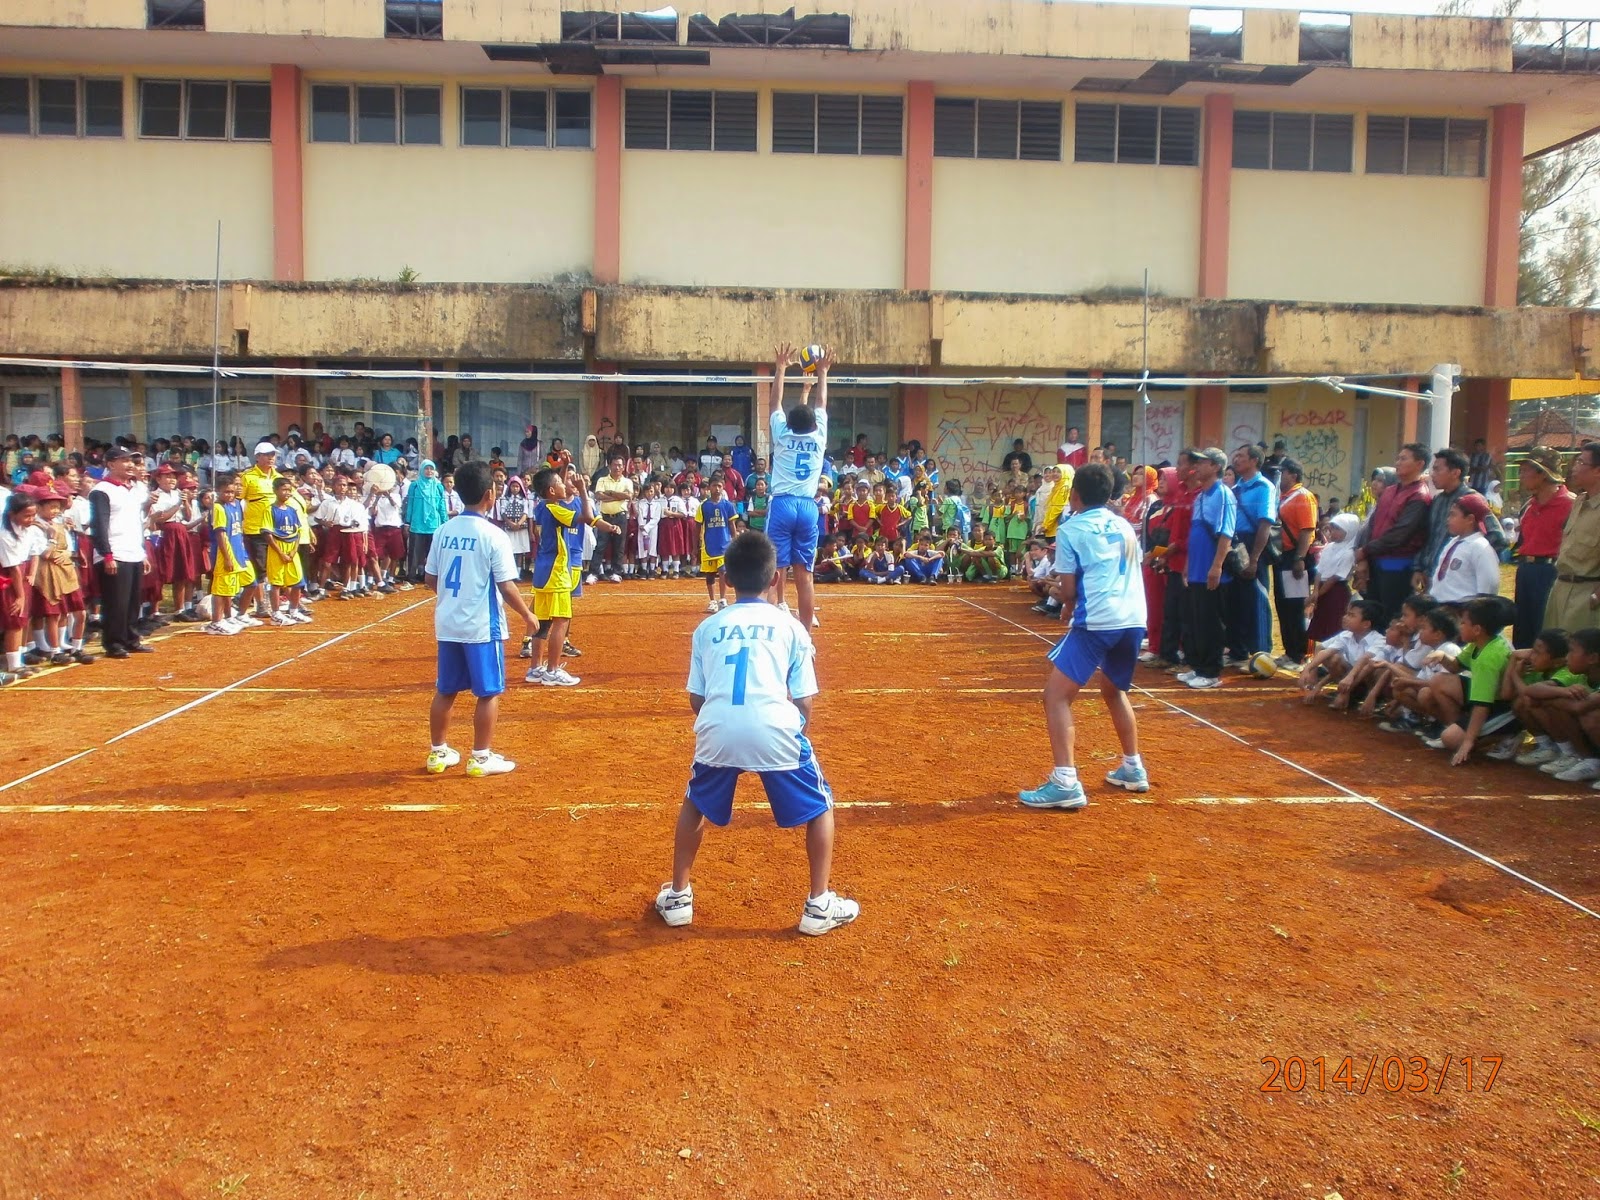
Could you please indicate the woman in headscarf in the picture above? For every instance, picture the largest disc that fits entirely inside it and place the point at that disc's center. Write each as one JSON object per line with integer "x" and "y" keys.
{"x": 658, "y": 459}
{"x": 1332, "y": 589}
{"x": 1153, "y": 538}
{"x": 557, "y": 458}
{"x": 1178, "y": 501}
{"x": 589, "y": 456}
{"x": 528, "y": 451}
{"x": 1139, "y": 499}
{"x": 425, "y": 510}
{"x": 511, "y": 511}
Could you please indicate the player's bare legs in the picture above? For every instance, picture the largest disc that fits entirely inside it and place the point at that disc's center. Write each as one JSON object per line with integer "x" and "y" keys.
{"x": 439, "y": 717}
{"x": 819, "y": 851}
{"x": 1059, "y": 693}
{"x": 1122, "y": 718}
{"x": 686, "y": 844}
{"x": 483, "y": 719}
{"x": 805, "y": 587}
{"x": 555, "y": 642}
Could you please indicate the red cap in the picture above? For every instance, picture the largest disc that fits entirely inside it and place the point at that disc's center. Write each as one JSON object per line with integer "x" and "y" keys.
{"x": 165, "y": 469}
{"x": 1476, "y": 507}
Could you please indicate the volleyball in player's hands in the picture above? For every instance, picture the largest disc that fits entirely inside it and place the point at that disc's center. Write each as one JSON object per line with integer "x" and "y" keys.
{"x": 810, "y": 358}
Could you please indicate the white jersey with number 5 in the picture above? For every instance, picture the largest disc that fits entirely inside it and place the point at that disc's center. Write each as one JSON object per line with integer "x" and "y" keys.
{"x": 471, "y": 556}
{"x": 748, "y": 661}
{"x": 1102, "y": 550}
{"x": 797, "y": 457}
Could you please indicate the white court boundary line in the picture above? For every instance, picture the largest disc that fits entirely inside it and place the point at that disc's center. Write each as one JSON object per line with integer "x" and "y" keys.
{"x": 1338, "y": 787}
{"x": 210, "y": 696}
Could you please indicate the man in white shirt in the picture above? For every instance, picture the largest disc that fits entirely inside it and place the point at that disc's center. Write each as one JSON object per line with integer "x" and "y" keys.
{"x": 473, "y": 571}
{"x": 116, "y": 524}
{"x": 1097, "y": 562}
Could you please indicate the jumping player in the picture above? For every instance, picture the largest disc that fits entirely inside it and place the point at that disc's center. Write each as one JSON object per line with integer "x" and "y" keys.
{"x": 1097, "y": 561}
{"x": 752, "y": 678}
{"x": 799, "y": 440}
{"x": 472, "y": 569}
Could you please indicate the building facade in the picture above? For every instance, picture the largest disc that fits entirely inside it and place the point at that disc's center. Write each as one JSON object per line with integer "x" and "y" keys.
{"x": 942, "y": 189}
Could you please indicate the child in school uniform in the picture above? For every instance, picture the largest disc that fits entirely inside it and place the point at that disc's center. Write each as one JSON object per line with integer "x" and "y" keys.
{"x": 676, "y": 524}
{"x": 284, "y": 577}
{"x": 20, "y": 545}
{"x": 1467, "y": 698}
{"x": 831, "y": 565}
{"x": 57, "y": 595}
{"x": 1468, "y": 564}
{"x": 923, "y": 562}
{"x": 881, "y": 566}
{"x": 647, "y": 550}
{"x": 1336, "y": 656}
{"x": 231, "y": 570}
{"x": 889, "y": 515}
{"x": 752, "y": 681}
{"x": 715, "y": 517}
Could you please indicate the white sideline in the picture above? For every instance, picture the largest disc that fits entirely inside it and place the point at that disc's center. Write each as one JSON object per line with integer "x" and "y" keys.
{"x": 1338, "y": 787}
{"x": 212, "y": 695}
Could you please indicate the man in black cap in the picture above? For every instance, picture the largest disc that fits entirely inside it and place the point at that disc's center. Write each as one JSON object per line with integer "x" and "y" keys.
{"x": 116, "y": 526}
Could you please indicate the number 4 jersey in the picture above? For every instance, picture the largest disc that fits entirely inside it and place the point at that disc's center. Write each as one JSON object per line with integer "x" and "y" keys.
{"x": 471, "y": 556}
{"x": 750, "y": 661}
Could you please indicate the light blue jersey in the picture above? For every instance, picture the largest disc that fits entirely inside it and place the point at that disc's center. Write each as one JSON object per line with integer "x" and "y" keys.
{"x": 797, "y": 457}
{"x": 471, "y": 556}
{"x": 1102, "y": 551}
{"x": 751, "y": 661}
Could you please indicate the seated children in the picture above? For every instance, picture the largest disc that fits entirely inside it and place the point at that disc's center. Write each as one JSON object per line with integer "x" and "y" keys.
{"x": 1555, "y": 701}
{"x": 923, "y": 562}
{"x": 1467, "y": 699}
{"x": 881, "y": 566}
{"x": 832, "y": 562}
{"x": 1336, "y": 656}
{"x": 985, "y": 559}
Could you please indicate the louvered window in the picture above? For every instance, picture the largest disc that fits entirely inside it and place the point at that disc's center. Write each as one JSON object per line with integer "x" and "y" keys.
{"x": 1162, "y": 135}
{"x": 808, "y": 123}
{"x": 996, "y": 129}
{"x": 1292, "y": 141}
{"x": 1426, "y": 146}
{"x": 689, "y": 120}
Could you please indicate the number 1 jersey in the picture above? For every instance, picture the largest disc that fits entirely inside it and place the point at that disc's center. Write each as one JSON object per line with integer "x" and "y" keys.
{"x": 750, "y": 661}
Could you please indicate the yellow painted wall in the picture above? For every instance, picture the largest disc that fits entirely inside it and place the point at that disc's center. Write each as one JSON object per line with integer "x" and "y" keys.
{"x": 451, "y": 213}
{"x": 78, "y": 14}
{"x": 763, "y": 220}
{"x": 1064, "y": 227}
{"x": 1430, "y": 43}
{"x": 1271, "y": 37}
{"x": 511, "y": 21}
{"x": 1357, "y": 238}
{"x": 319, "y": 18}
{"x": 136, "y": 209}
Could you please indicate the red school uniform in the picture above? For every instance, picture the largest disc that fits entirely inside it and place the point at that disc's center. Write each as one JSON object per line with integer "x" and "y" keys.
{"x": 858, "y": 515}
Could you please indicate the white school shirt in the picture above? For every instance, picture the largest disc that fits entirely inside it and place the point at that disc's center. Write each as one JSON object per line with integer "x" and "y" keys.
{"x": 1351, "y": 648}
{"x": 453, "y": 506}
{"x": 471, "y": 556}
{"x": 385, "y": 508}
{"x": 17, "y": 548}
{"x": 78, "y": 514}
{"x": 750, "y": 661}
{"x": 1416, "y": 654}
{"x": 1450, "y": 650}
{"x": 351, "y": 515}
{"x": 677, "y": 506}
{"x": 1101, "y": 550}
{"x": 1473, "y": 570}
{"x": 650, "y": 510}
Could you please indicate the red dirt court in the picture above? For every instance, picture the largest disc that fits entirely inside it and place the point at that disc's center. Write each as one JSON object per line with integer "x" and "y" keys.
{"x": 248, "y": 948}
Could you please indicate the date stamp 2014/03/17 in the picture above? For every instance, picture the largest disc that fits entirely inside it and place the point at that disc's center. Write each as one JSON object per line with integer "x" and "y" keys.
{"x": 1383, "y": 1073}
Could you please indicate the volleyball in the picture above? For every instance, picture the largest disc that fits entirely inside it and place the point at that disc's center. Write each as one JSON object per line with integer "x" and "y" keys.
{"x": 380, "y": 477}
{"x": 1264, "y": 665}
{"x": 809, "y": 357}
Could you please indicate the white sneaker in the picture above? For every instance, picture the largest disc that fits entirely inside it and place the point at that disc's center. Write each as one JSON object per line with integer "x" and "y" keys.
{"x": 711, "y": 606}
{"x": 591, "y": 578}
{"x": 491, "y": 763}
{"x": 614, "y": 578}
{"x": 721, "y": 604}
{"x": 1506, "y": 748}
{"x": 827, "y": 911}
{"x": 1556, "y": 765}
{"x": 1584, "y": 770}
{"x": 1538, "y": 756}
{"x": 219, "y": 628}
{"x": 783, "y": 607}
{"x": 1185, "y": 675}
{"x": 440, "y": 761}
{"x": 300, "y": 617}
{"x": 249, "y": 622}
{"x": 1202, "y": 681}
{"x": 234, "y": 624}
{"x": 535, "y": 675}
{"x": 816, "y": 621}
{"x": 281, "y": 619}
{"x": 676, "y": 908}
{"x": 560, "y": 678}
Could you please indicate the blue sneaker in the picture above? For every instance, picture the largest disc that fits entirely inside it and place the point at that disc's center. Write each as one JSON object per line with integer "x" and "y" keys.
{"x": 1132, "y": 779}
{"x": 1051, "y": 794}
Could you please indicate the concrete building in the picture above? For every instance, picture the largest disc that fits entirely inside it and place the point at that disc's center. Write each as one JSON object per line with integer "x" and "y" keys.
{"x": 939, "y": 187}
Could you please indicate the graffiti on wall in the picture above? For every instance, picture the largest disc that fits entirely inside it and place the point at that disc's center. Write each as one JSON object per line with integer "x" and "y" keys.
{"x": 971, "y": 428}
{"x": 1321, "y": 435}
{"x": 1163, "y": 429}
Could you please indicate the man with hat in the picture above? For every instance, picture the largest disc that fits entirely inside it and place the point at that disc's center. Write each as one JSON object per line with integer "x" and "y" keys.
{"x": 116, "y": 526}
{"x": 256, "y": 491}
{"x": 1575, "y": 596}
{"x": 1538, "y": 540}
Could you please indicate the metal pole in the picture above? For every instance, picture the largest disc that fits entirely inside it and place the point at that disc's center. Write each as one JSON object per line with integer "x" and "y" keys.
{"x": 1144, "y": 396}
{"x": 216, "y": 351}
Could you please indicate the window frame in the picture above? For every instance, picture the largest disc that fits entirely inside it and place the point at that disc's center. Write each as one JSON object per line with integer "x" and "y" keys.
{"x": 230, "y": 118}
{"x": 1469, "y": 126}
{"x": 839, "y": 100}
{"x": 80, "y": 104}
{"x": 1159, "y": 134}
{"x": 974, "y": 114}
{"x": 352, "y": 92}
{"x": 505, "y": 93}
{"x": 719, "y": 98}
{"x": 1317, "y": 121}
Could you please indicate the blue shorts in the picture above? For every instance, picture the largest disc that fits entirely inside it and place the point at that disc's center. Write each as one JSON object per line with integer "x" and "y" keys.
{"x": 796, "y": 796}
{"x": 792, "y": 523}
{"x": 1084, "y": 651}
{"x": 476, "y": 667}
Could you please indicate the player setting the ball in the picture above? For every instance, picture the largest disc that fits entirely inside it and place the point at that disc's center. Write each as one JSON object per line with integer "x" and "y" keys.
{"x": 799, "y": 440}
{"x": 1097, "y": 561}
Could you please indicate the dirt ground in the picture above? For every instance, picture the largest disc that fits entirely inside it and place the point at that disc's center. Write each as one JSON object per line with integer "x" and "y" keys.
{"x": 250, "y": 949}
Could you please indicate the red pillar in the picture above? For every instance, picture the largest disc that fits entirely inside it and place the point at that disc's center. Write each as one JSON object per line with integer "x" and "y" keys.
{"x": 914, "y": 414}
{"x": 1504, "y": 246}
{"x": 919, "y": 187}
{"x": 72, "y": 409}
{"x": 288, "y": 176}
{"x": 290, "y": 401}
{"x": 1210, "y": 415}
{"x": 1408, "y": 411}
{"x": 1216, "y": 184}
{"x": 608, "y": 179}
